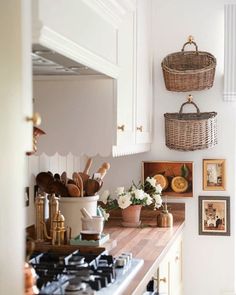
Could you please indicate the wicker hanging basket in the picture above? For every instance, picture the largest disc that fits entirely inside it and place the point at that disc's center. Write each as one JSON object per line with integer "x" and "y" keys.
{"x": 189, "y": 70}
{"x": 190, "y": 131}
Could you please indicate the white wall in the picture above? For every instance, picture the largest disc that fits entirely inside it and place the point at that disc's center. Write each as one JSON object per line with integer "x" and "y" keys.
{"x": 208, "y": 260}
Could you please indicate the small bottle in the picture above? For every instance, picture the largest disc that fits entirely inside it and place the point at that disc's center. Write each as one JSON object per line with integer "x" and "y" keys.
{"x": 164, "y": 218}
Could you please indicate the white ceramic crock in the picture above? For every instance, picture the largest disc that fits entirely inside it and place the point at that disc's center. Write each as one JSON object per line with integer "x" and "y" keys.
{"x": 70, "y": 208}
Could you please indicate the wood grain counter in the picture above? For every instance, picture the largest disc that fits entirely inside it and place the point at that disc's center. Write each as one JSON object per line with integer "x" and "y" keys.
{"x": 148, "y": 243}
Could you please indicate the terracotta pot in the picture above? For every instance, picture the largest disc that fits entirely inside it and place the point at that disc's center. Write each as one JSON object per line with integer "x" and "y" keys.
{"x": 131, "y": 216}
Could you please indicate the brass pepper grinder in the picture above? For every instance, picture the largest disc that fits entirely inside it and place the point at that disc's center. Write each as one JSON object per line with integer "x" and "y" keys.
{"x": 58, "y": 229}
{"x": 164, "y": 218}
{"x": 40, "y": 216}
{"x": 53, "y": 201}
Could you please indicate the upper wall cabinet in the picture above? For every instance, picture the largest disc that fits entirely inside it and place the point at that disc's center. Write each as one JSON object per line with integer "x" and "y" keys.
{"x": 85, "y": 31}
{"x": 111, "y": 37}
{"x": 134, "y": 84}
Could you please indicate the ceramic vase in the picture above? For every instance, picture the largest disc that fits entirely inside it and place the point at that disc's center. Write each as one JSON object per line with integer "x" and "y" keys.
{"x": 131, "y": 216}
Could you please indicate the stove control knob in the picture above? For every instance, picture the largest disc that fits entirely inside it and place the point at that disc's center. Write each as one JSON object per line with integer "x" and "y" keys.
{"x": 128, "y": 254}
{"x": 121, "y": 262}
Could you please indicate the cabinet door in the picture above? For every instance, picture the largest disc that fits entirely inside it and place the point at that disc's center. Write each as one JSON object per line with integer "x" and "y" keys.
{"x": 144, "y": 73}
{"x": 176, "y": 269}
{"x": 125, "y": 82}
{"x": 163, "y": 277}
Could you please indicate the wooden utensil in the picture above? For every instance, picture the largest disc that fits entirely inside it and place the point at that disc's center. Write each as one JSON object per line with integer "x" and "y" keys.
{"x": 58, "y": 188}
{"x": 92, "y": 186}
{"x": 64, "y": 178}
{"x": 80, "y": 185}
{"x": 84, "y": 175}
{"x": 73, "y": 190}
{"x": 44, "y": 180}
{"x": 75, "y": 178}
{"x": 103, "y": 169}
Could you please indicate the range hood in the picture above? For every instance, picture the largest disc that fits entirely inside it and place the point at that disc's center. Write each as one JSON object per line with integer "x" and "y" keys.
{"x": 48, "y": 62}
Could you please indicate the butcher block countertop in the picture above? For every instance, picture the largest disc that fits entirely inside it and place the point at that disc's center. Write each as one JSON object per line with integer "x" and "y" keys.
{"x": 147, "y": 242}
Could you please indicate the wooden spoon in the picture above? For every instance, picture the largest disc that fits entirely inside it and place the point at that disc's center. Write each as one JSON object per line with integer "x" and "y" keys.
{"x": 91, "y": 187}
{"x": 44, "y": 180}
{"x": 73, "y": 190}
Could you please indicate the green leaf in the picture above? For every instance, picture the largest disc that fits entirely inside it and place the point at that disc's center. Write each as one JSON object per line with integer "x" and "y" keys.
{"x": 184, "y": 171}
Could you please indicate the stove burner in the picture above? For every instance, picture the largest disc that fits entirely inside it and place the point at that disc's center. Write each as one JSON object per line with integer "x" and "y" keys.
{"x": 78, "y": 273}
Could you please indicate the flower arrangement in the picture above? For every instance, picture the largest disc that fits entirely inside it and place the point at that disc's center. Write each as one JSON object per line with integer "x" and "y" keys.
{"x": 145, "y": 194}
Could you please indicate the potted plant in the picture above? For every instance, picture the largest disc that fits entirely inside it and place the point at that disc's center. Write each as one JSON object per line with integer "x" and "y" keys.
{"x": 131, "y": 201}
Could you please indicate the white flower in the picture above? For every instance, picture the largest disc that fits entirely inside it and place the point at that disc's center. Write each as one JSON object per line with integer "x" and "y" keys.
{"x": 139, "y": 194}
{"x": 124, "y": 201}
{"x": 149, "y": 199}
{"x": 151, "y": 180}
{"x": 104, "y": 196}
{"x": 106, "y": 215}
{"x": 158, "y": 200}
{"x": 158, "y": 189}
{"x": 120, "y": 190}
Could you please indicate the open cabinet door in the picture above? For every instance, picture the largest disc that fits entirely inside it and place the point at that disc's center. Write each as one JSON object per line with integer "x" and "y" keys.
{"x": 15, "y": 138}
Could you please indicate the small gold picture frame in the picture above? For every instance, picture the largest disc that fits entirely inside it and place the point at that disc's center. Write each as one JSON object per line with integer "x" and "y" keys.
{"x": 214, "y": 175}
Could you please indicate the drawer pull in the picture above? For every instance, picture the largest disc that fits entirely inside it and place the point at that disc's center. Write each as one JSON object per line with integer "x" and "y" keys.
{"x": 121, "y": 127}
{"x": 176, "y": 258}
{"x": 140, "y": 128}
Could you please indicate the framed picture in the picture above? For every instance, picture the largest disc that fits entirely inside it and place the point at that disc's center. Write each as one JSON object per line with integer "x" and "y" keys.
{"x": 214, "y": 175}
{"x": 214, "y": 215}
{"x": 176, "y": 178}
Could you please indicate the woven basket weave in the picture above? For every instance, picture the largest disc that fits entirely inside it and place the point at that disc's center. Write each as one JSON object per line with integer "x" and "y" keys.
{"x": 190, "y": 131}
{"x": 189, "y": 70}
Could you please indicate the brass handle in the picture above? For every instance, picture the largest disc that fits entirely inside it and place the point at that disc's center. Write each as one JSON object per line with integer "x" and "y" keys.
{"x": 35, "y": 119}
{"x": 140, "y": 128}
{"x": 176, "y": 258}
{"x": 164, "y": 280}
{"x": 121, "y": 127}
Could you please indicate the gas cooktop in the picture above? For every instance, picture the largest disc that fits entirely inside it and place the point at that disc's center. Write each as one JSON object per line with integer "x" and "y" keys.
{"x": 83, "y": 273}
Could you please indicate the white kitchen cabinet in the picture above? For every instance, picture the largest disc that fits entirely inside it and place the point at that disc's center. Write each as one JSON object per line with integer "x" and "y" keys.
{"x": 134, "y": 84}
{"x": 170, "y": 271}
{"x": 144, "y": 74}
{"x": 125, "y": 83}
{"x": 85, "y": 31}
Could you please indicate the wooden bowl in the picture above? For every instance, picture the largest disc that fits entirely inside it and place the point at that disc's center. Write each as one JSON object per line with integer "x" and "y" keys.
{"x": 90, "y": 235}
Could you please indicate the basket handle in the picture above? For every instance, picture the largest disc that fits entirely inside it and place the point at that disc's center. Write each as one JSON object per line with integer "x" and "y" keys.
{"x": 190, "y": 41}
{"x": 189, "y": 102}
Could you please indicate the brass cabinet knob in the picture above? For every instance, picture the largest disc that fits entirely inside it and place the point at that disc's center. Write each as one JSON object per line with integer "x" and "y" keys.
{"x": 164, "y": 280}
{"x": 35, "y": 119}
{"x": 176, "y": 258}
{"x": 121, "y": 127}
{"x": 140, "y": 128}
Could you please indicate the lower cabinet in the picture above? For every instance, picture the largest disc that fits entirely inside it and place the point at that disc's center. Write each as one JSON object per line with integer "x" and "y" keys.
{"x": 168, "y": 278}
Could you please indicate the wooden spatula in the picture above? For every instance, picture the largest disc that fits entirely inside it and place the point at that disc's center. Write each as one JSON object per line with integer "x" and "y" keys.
{"x": 84, "y": 175}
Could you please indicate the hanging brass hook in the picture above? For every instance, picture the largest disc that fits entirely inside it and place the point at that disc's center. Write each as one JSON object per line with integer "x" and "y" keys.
{"x": 190, "y": 39}
{"x": 190, "y": 98}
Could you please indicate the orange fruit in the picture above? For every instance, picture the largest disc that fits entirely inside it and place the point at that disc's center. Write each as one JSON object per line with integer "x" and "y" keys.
{"x": 162, "y": 180}
{"x": 179, "y": 184}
